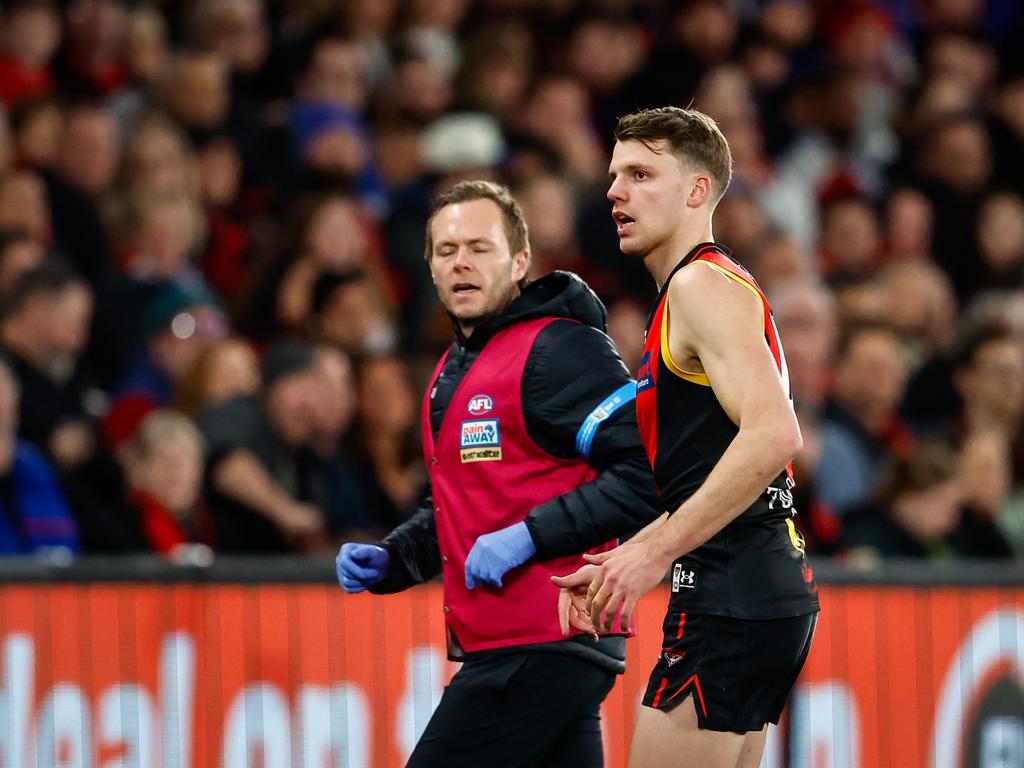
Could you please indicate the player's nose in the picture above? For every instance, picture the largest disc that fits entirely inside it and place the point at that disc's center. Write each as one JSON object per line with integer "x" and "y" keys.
{"x": 616, "y": 191}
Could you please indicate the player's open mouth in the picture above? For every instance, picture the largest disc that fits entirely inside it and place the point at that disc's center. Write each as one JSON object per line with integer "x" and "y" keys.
{"x": 623, "y": 224}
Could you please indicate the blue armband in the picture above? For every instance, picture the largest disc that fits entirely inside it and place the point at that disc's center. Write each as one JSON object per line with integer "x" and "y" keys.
{"x": 624, "y": 394}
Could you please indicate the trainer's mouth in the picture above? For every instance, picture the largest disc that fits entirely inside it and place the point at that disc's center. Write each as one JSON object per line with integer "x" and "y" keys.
{"x": 464, "y": 289}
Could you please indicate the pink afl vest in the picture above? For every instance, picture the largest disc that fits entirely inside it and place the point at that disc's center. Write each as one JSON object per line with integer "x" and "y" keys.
{"x": 487, "y": 473}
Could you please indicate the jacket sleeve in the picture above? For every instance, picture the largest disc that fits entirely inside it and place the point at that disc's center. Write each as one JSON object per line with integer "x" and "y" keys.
{"x": 414, "y": 555}
{"x": 561, "y": 411}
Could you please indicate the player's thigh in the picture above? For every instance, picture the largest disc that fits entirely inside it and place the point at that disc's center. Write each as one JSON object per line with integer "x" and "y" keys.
{"x": 753, "y": 749}
{"x": 672, "y": 739}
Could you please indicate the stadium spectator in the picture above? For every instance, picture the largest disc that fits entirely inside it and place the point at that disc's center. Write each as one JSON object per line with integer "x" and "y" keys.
{"x": 34, "y": 515}
{"x": 236, "y": 30}
{"x": 43, "y": 331}
{"x": 626, "y": 321}
{"x": 79, "y": 186}
{"x": 165, "y": 473}
{"x": 909, "y": 223}
{"x": 264, "y": 490}
{"x": 920, "y": 305}
{"x": 348, "y": 513}
{"x": 90, "y": 62}
{"x": 44, "y": 327}
{"x": 30, "y": 33}
{"x": 329, "y": 136}
{"x": 327, "y": 235}
{"x": 23, "y": 205}
{"x": 860, "y": 430}
{"x": 157, "y": 159}
{"x": 851, "y": 238}
{"x": 918, "y": 513}
{"x": 347, "y": 312}
{"x": 1000, "y": 236}
{"x": 226, "y": 258}
{"x": 19, "y": 252}
{"x": 954, "y": 161}
{"x": 989, "y": 377}
{"x": 146, "y": 53}
{"x": 986, "y": 476}
{"x": 37, "y": 126}
{"x": 177, "y": 326}
{"x": 392, "y": 468}
{"x": 223, "y": 370}
{"x": 197, "y": 92}
{"x": 90, "y": 150}
{"x": 779, "y": 259}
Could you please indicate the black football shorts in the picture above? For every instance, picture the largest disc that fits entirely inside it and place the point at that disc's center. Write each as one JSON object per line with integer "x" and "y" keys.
{"x": 738, "y": 672}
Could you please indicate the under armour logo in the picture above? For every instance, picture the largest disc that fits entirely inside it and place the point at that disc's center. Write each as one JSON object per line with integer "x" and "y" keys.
{"x": 683, "y": 579}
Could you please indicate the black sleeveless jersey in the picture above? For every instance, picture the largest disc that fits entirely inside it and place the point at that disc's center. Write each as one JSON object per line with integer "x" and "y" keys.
{"x": 755, "y": 566}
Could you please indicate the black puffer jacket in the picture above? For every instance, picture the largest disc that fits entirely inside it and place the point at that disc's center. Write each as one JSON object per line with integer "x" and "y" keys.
{"x": 572, "y": 368}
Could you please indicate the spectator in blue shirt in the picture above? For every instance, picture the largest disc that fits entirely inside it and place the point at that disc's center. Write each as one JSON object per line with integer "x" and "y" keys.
{"x": 34, "y": 516}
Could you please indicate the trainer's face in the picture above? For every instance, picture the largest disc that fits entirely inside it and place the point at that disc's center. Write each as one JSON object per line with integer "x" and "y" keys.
{"x": 475, "y": 273}
{"x": 648, "y": 190}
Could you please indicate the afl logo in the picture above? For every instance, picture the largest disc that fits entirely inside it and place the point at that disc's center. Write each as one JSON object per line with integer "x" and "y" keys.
{"x": 480, "y": 404}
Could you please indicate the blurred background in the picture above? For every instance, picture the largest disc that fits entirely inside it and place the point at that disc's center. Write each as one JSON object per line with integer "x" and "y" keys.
{"x": 211, "y": 246}
{"x": 211, "y": 252}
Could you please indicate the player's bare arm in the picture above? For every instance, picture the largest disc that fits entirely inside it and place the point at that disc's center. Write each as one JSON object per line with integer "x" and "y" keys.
{"x": 717, "y": 327}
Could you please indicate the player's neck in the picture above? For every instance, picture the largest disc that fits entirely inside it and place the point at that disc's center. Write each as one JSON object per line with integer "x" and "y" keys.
{"x": 662, "y": 260}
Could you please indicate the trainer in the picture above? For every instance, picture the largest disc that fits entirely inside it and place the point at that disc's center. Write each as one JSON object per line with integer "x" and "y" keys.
{"x": 530, "y": 437}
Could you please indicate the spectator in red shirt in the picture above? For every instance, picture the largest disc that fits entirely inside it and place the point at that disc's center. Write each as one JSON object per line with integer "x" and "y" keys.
{"x": 30, "y": 35}
{"x": 165, "y": 470}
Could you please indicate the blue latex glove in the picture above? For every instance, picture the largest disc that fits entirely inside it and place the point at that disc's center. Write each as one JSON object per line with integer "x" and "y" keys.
{"x": 494, "y": 554}
{"x": 360, "y": 565}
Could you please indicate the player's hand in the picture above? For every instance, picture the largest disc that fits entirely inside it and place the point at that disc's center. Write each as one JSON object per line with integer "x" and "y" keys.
{"x": 573, "y": 611}
{"x": 626, "y": 573}
{"x": 360, "y": 565}
{"x": 494, "y": 554}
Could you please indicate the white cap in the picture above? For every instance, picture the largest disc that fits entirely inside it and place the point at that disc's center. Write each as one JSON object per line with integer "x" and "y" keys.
{"x": 462, "y": 140}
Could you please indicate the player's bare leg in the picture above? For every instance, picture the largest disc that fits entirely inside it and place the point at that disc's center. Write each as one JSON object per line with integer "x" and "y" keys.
{"x": 753, "y": 749}
{"x": 671, "y": 739}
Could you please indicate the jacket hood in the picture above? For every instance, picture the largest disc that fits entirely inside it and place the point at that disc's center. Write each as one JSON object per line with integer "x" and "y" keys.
{"x": 558, "y": 294}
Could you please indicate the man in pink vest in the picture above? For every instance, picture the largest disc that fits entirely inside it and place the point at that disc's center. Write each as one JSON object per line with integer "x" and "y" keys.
{"x": 530, "y": 436}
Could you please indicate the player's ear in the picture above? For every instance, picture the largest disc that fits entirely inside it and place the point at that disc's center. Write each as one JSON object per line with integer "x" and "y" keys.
{"x": 700, "y": 191}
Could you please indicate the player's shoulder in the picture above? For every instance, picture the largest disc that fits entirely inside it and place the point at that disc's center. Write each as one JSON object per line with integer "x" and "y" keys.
{"x": 703, "y": 285}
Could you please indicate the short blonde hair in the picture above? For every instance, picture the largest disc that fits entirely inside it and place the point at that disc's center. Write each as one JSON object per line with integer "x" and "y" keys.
{"x": 162, "y": 425}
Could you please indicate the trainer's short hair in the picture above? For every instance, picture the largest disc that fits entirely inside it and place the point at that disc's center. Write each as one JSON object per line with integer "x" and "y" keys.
{"x": 516, "y": 231}
{"x": 692, "y": 136}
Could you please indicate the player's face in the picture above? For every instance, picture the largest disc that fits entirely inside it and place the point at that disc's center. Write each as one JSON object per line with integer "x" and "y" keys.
{"x": 648, "y": 191}
{"x": 475, "y": 273}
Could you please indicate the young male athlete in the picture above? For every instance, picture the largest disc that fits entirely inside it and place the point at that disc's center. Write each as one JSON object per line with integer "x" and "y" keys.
{"x": 717, "y": 422}
{"x": 530, "y": 437}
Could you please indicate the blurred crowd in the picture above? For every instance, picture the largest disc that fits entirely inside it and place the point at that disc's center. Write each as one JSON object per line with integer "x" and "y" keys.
{"x": 215, "y": 316}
